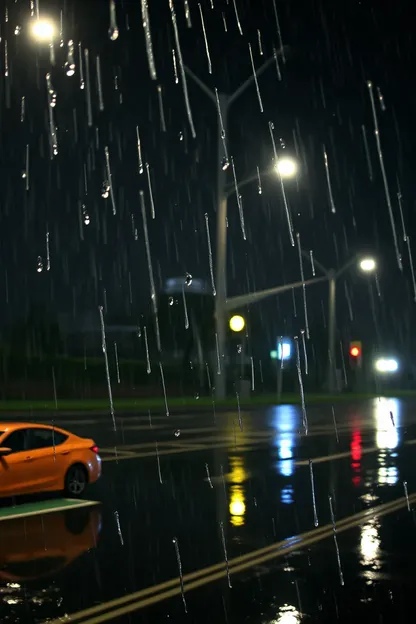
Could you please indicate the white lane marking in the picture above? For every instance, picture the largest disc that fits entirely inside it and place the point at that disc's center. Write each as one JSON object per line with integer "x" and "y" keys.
{"x": 76, "y": 504}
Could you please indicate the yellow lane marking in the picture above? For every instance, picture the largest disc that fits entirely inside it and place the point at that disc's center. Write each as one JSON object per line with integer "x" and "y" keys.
{"x": 151, "y": 595}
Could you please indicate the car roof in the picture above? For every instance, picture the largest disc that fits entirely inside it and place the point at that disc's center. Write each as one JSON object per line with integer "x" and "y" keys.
{"x": 7, "y": 427}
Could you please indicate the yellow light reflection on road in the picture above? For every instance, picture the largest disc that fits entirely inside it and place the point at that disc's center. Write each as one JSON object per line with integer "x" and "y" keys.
{"x": 237, "y": 477}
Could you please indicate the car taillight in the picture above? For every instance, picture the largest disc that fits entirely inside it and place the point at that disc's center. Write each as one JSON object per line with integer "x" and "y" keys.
{"x": 94, "y": 448}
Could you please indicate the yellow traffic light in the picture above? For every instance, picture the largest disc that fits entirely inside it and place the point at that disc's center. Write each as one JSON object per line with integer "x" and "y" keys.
{"x": 237, "y": 323}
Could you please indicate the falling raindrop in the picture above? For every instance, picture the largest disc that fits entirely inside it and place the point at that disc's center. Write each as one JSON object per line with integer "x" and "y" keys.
{"x": 117, "y": 366}
{"x": 381, "y": 99}
{"x": 334, "y": 531}
{"x": 335, "y": 424}
{"x": 255, "y": 78}
{"x": 149, "y": 184}
{"x": 305, "y": 354}
{"x": 139, "y": 151}
{"x": 177, "y": 433}
{"x": 113, "y": 29}
{"x": 162, "y": 376}
{"x": 158, "y": 462}
{"x": 406, "y": 493}
{"x": 205, "y": 39}
{"x": 151, "y": 277}
{"x": 17, "y": 30}
{"x": 328, "y": 181}
{"x": 259, "y": 42}
{"x": 315, "y": 515}
{"x": 209, "y": 476}
{"x": 81, "y": 70}
{"x": 302, "y": 394}
{"x": 178, "y": 560}
{"x": 384, "y": 176}
{"x": 224, "y": 546}
{"x": 187, "y": 13}
{"x": 240, "y": 30}
{"x": 109, "y": 177}
{"x": 99, "y": 85}
{"x": 161, "y": 110}
{"x": 171, "y": 301}
{"x": 48, "y": 253}
{"x": 146, "y": 344}
{"x": 39, "y": 264}
{"x": 70, "y": 62}
{"x": 148, "y": 39}
{"x": 116, "y": 515}
{"x": 239, "y": 201}
{"x": 302, "y": 276}
{"x": 210, "y": 260}
{"x": 107, "y": 368}
{"x": 85, "y": 215}
{"x": 185, "y": 308}
{"x": 312, "y": 262}
{"x": 175, "y": 67}
{"x": 181, "y": 68}
{"x": 88, "y": 89}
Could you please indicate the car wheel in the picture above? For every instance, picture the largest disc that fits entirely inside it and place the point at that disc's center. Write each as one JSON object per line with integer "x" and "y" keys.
{"x": 76, "y": 480}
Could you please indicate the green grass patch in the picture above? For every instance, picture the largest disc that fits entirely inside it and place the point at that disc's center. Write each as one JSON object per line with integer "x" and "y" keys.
{"x": 187, "y": 403}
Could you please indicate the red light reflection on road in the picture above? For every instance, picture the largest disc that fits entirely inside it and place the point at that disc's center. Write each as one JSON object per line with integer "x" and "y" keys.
{"x": 356, "y": 455}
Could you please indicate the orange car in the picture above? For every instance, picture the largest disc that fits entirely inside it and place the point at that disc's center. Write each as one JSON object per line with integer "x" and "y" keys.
{"x": 41, "y": 458}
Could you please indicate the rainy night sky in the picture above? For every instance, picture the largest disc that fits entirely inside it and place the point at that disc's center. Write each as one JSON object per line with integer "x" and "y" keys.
{"x": 65, "y": 246}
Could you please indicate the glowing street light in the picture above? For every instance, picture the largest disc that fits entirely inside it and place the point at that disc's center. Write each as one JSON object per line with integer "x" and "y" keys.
{"x": 286, "y": 167}
{"x": 368, "y": 265}
{"x": 237, "y": 323}
{"x": 43, "y": 30}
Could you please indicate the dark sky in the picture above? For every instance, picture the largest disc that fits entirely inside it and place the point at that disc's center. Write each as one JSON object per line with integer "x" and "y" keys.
{"x": 332, "y": 50}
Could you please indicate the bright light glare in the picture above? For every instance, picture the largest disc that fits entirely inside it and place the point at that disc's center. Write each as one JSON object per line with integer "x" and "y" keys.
{"x": 237, "y": 323}
{"x": 384, "y": 365}
{"x": 284, "y": 350}
{"x": 286, "y": 167}
{"x": 43, "y": 30}
{"x": 368, "y": 264}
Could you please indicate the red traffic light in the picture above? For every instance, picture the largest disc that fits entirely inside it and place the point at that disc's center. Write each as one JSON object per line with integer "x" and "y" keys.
{"x": 355, "y": 351}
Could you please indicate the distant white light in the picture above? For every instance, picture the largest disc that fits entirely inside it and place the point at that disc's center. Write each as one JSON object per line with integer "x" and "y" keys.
{"x": 368, "y": 264}
{"x": 286, "y": 167}
{"x": 385, "y": 365}
{"x": 284, "y": 350}
{"x": 43, "y": 30}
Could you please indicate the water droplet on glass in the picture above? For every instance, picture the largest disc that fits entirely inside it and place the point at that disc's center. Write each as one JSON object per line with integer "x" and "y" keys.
{"x": 170, "y": 301}
{"x": 177, "y": 433}
{"x": 39, "y": 264}
{"x": 188, "y": 279}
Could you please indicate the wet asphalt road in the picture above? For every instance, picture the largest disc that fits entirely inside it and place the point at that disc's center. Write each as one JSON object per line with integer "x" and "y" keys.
{"x": 233, "y": 502}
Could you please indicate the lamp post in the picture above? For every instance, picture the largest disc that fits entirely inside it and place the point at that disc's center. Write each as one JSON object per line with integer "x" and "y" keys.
{"x": 367, "y": 265}
{"x": 222, "y": 102}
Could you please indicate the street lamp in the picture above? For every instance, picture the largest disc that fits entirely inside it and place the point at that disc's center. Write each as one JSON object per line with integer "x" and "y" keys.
{"x": 43, "y": 30}
{"x": 237, "y": 323}
{"x": 367, "y": 265}
{"x": 285, "y": 167}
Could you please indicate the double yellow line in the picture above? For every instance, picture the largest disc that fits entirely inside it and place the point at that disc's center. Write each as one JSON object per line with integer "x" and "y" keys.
{"x": 146, "y": 597}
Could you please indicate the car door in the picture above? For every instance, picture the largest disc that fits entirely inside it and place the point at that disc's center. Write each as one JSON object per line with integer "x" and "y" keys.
{"x": 45, "y": 457}
{"x": 14, "y": 468}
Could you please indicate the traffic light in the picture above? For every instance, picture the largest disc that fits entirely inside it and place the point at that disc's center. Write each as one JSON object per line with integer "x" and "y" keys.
{"x": 355, "y": 353}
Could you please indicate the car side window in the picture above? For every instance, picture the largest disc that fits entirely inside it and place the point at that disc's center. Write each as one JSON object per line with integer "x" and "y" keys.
{"x": 45, "y": 438}
{"x": 18, "y": 441}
